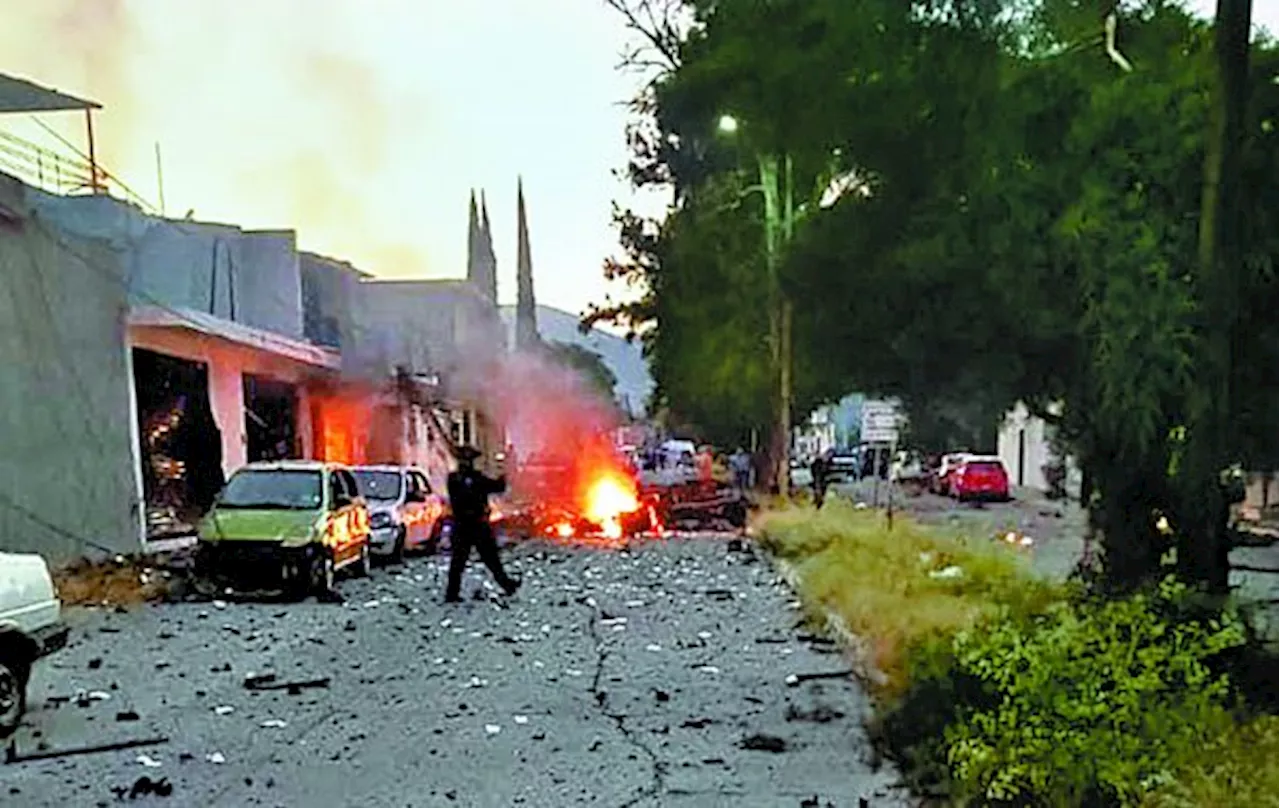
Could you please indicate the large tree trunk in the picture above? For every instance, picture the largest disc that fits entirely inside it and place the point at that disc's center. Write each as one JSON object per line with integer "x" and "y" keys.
{"x": 1204, "y": 545}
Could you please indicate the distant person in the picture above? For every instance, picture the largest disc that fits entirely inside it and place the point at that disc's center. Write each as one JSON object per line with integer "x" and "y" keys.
{"x": 469, "y": 492}
{"x": 819, "y": 469}
{"x": 740, "y": 463}
{"x": 705, "y": 466}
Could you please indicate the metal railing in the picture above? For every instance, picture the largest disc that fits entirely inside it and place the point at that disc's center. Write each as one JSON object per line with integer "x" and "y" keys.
{"x": 64, "y": 174}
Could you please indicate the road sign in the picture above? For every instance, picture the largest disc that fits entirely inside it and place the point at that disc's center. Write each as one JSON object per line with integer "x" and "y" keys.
{"x": 880, "y": 422}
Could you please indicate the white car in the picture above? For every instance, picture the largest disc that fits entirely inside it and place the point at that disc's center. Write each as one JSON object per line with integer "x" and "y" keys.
{"x": 30, "y": 628}
{"x": 404, "y": 513}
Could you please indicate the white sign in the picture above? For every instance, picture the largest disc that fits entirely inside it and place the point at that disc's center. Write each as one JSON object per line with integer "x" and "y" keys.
{"x": 880, "y": 422}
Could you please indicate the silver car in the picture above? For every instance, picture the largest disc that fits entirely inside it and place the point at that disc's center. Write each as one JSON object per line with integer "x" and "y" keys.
{"x": 404, "y": 513}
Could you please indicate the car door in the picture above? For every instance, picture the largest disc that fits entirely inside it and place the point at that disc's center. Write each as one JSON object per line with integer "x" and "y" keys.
{"x": 350, "y": 517}
{"x": 414, "y": 513}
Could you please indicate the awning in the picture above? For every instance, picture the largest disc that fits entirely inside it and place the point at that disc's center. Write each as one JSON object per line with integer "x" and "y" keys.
{"x": 205, "y": 323}
{"x": 20, "y": 95}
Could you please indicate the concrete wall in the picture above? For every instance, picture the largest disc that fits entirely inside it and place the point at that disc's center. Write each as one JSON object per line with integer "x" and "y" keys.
{"x": 425, "y": 326}
{"x": 251, "y": 277}
{"x": 329, "y": 291}
{"x": 68, "y": 441}
{"x": 227, "y": 363}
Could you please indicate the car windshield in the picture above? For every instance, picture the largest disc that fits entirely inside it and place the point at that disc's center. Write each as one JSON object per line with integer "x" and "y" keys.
{"x": 276, "y": 489}
{"x": 383, "y": 486}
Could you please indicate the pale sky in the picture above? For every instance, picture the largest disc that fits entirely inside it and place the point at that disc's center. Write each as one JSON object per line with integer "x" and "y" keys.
{"x": 362, "y": 124}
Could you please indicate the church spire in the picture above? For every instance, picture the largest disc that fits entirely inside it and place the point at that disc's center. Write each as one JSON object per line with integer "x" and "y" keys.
{"x": 526, "y": 308}
{"x": 475, "y": 248}
{"x": 488, "y": 257}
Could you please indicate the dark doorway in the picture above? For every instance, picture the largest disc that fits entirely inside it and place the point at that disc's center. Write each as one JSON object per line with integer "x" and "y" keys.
{"x": 270, "y": 419}
{"x": 180, "y": 444}
{"x": 1022, "y": 457}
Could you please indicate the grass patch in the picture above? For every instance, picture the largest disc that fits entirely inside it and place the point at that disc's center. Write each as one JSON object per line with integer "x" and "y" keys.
{"x": 879, "y": 580}
{"x": 1236, "y": 769}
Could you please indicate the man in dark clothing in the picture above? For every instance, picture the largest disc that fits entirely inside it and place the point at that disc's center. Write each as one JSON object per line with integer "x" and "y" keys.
{"x": 469, "y": 492}
{"x": 819, "y": 471}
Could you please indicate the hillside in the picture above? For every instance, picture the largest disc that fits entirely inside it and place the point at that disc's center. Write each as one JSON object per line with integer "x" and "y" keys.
{"x": 622, "y": 357}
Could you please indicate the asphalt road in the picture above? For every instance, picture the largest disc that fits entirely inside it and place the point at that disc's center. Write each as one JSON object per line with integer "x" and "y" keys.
{"x": 622, "y": 677}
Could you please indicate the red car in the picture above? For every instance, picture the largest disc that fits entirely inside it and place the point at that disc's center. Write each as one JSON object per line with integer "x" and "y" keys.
{"x": 980, "y": 478}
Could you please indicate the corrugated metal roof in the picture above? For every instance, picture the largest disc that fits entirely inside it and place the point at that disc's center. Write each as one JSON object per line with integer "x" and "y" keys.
{"x": 20, "y": 95}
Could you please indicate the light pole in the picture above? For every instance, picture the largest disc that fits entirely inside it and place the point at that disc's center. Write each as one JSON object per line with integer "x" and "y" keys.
{"x": 775, "y": 174}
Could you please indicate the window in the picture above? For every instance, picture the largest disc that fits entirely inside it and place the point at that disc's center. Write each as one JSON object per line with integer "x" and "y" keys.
{"x": 272, "y": 490}
{"x": 421, "y": 483}
{"x": 383, "y": 486}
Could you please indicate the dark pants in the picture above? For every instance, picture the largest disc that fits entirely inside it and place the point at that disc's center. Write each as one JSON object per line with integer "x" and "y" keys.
{"x": 819, "y": 493}
{"x": 480, "y": 536}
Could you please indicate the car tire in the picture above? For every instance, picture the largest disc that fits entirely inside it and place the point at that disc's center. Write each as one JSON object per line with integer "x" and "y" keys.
{"x": 322, "y": 573}
{"x": 397, "y": 549}
{"x": 364, "y": 565}
{"x": 13, "y": 694}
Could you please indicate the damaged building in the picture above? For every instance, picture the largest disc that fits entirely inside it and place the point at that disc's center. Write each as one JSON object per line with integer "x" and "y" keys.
{"x": 147, "y": 358}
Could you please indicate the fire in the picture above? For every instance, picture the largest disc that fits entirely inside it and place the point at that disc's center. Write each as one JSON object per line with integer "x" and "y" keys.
{"x": 608, "y": 499}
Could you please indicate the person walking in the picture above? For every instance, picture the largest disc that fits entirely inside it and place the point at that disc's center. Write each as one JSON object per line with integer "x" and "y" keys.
{"x": 819, "y": 471}
{"x": 469, "y": 492}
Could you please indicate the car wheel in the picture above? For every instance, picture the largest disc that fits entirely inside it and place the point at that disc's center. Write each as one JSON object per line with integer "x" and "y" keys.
{"x": 364, "y": 566}
{"x": 397, "y": 549}
{"x": 322, "y": 573}
{"x": 13, "y": 695}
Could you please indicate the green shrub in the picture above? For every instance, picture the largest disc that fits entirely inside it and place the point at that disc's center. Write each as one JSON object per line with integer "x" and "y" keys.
{"x": 1086, "y": 704}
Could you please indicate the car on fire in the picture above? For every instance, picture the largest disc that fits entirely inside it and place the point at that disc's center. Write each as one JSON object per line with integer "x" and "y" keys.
{"x": 290, "y": 524}
{"x": 404, "y": 513}
{"x": 31, "y": 627}
{"x": 980, "y": 477}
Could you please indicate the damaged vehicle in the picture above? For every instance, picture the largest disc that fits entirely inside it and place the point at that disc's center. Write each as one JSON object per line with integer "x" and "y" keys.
{"x": 290, "y": 525}
{"x": 404, "y": 513}
{"x": 31, "y": 627}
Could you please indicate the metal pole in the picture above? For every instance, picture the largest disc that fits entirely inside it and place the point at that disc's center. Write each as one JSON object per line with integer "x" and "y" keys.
{"x": 94, "y": 186}
{"x": 160, "y": 178}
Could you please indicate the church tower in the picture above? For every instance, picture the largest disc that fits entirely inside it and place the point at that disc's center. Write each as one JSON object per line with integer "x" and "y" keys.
{"x": 526, "y": 307}
{"x": 482, "y": 263}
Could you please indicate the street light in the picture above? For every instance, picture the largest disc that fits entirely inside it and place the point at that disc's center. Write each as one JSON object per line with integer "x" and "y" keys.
{"x": 779, "y": 222}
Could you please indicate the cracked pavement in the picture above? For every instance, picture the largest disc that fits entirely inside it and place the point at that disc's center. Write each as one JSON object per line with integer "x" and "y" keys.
{"x": 649, "y": 676}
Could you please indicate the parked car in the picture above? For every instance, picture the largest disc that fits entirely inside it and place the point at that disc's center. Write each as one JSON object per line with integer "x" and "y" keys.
{"x": 801, "y": 474}
{"x": 404, "y": 513}
{"x": 843, "y": 466}
{"x": 30, "y": 628}
{"x": 940, "y": 482}
{"x": 980, "y": 477}
{"x": 289, "y": 524}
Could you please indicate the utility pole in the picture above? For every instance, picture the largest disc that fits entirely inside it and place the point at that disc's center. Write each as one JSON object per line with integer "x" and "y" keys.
{"x": 779, "y": 228}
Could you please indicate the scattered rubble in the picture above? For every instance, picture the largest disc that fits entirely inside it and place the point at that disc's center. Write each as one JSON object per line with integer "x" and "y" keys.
{"x": 764, "y": 743}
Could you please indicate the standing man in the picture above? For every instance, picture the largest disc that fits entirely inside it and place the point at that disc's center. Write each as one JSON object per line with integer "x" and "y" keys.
{"x": 469, "y": 492}
{"x": 819, "y": 472}
{"x": 741, "y": 464}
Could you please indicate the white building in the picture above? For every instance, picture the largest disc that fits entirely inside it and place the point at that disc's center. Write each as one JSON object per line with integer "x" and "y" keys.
{"x": 1023, "y": 445}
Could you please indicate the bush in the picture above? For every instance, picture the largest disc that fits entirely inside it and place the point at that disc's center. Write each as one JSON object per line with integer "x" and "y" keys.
{"x": 1085, "y": 704}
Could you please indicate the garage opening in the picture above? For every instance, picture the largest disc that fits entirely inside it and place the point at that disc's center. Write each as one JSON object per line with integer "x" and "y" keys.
{"x": 270, "y": 419}
{"x": 181, "y": 446}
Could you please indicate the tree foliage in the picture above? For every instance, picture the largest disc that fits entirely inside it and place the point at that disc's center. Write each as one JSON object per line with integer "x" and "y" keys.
{"x": 588, "y": 364}
{"x": 1023, "y": 225}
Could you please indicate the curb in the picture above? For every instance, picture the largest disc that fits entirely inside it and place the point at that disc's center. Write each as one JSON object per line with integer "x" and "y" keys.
{"x": 857, "y": 649}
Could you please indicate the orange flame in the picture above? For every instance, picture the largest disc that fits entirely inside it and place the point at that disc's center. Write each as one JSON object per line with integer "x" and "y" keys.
{"x": 610, "y": 497}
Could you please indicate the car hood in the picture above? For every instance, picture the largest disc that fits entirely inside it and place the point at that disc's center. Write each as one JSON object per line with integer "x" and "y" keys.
{"x": 233, "y": 524}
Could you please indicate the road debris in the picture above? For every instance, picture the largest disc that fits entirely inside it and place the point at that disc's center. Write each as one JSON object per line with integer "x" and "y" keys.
{"x": 268, "y": 682}
{"x": 795, "y": 679}
{"x": 764, "y": 743}
{"x": 13, "y": 756}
